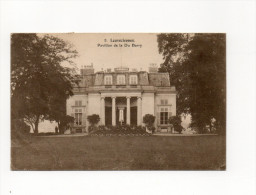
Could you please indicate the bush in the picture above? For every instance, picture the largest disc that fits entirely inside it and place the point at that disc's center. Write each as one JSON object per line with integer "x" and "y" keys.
{"x": 175, "y": 121}
{"x": 65, "y": 123}
{"x": 19, "y": 129}
{"x": 152, "y": 129}
{"x": 20, "y": 125}
{"x": 121, "y": 129}
{"x": 46, "y": 134}
{"x": 142, "y": 129}
{"x": 93, "y": 119}
{"x": 149, "y": 120}
{"x": 92, "y": 129}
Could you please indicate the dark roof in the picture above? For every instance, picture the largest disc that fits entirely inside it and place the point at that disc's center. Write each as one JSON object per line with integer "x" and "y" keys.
{"x": 144, "y": 78}
{"x": 159, "y": 79}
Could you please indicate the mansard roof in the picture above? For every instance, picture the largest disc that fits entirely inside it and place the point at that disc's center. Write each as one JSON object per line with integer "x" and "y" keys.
{"x": 144, "y": 79}
{"x": 159, "y": 79}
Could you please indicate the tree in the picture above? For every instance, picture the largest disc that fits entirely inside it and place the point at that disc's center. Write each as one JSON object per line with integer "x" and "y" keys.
{"x": 64, "y": 122}
{"x": 39, "y": 81}
{"x": 196, "y": 64}
{"x": 175, "y": 121}
{"x": 19, "y": 128}
{"x": 93, "y": 119}
{"x": 149, "y": 120}
{"x": 57, "y": 111}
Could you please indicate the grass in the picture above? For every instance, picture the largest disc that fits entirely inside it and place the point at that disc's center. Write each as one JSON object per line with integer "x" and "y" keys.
{"x": 119, "y": 153}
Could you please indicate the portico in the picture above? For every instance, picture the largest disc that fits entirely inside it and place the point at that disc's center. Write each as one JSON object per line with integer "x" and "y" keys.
{"x": 122, "y": 105}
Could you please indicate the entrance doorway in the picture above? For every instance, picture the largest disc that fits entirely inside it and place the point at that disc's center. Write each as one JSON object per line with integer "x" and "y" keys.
{"x": 134, "y": 115}
{"x": 121, "y": 104}
{"x": 121, "y": 114}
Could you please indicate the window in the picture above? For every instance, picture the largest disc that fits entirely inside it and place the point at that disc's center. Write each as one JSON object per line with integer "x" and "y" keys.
{"x": 78, "y": 116}
{"x": 108, "y": 80}
{"x": 78, "y": 103}
{"x": 164, "y": 102}
{"x": 164, "y": 116}
{"x": 133, "y": 80}
{"x": 121, "y": 79}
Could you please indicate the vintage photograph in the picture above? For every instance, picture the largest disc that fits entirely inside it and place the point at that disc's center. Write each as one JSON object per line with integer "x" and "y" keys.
{"x": 118, "y": 101}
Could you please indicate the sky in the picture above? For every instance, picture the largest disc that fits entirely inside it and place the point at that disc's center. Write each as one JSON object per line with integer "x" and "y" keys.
{"x": 92, "y": 48}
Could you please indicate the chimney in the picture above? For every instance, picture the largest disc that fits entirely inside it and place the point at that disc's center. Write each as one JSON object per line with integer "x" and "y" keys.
{"x": 87, "y": 69}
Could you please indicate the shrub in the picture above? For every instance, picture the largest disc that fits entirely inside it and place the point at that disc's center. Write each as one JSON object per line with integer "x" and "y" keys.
{"x": 20, "y": 125}
{"x": 19, "y": 129}
{"x": 141, "y": 129}
{"x": 92, "y": 129}
{"x": 46, "y": 134}
{"x": 152, "y": 128}
{"x": 124, "y": 128}
{"x": 102, "y": 128}
{"x": 149, "y": 120}
{"x": 68, "y": 119}
{"x": 175, "y": 121}
{"x": 117, "y": 130}
{"x": 93, "y": 119}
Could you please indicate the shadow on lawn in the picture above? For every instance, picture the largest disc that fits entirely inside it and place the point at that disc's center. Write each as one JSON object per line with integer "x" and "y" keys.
{"x": 119, "y": 153}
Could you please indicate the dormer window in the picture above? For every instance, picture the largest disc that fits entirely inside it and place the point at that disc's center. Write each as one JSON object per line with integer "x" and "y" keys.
{"x": 133, "y": 80}
{"x": 121, "y": 79}
{"x": 108, "y": 80}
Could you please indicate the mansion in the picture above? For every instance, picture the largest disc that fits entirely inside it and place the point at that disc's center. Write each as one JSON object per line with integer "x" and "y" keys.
{"x": 122, "y": 97}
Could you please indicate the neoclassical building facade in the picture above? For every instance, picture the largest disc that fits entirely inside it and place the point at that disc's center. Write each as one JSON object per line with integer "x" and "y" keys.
{"x": 122, "y": 97}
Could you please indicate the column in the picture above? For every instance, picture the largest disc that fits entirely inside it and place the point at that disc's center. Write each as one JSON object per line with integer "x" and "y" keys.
{"x": 138, "y": 110}
{"x": 102, "y": 106}
{"x": 114, "y": 111}
{"x": 128, "y": 113}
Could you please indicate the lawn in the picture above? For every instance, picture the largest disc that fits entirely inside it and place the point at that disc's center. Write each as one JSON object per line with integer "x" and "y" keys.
{"x": 120, "y": 153}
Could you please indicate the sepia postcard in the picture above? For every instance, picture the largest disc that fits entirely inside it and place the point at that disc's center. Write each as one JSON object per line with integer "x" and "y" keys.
{"x": 127, "y": 97}
{"x": 118, "y": 101}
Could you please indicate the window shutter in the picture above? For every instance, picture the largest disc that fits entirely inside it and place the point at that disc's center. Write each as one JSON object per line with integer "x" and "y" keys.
{"x": 169, "y": 115}
{"x": 83, "y": 119}
{"x": 73, "y": 115}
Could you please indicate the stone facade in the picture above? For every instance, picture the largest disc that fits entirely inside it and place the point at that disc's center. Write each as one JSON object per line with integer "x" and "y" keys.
{"x": 122, "y": 97}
